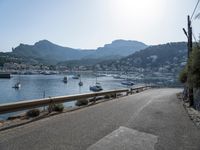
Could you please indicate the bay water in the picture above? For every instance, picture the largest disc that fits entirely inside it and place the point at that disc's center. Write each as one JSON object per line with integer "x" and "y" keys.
{"x": 39, "y": 86}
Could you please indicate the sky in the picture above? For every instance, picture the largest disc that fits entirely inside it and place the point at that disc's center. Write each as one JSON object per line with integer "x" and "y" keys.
{"x": 89, "y": 24}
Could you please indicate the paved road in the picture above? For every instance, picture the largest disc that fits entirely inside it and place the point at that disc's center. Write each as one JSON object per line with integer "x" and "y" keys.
{"x": 156, "y": 112}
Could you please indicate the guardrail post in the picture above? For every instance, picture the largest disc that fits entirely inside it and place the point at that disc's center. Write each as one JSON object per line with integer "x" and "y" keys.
{"x": 50, "y": 108}
{"x": 115, "y": 95}
{"x": 95, "y": 97}
{"x": 127, "y": 93}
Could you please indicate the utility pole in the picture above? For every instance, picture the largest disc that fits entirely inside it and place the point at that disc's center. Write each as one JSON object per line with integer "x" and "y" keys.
{"x": 189, "y": 44}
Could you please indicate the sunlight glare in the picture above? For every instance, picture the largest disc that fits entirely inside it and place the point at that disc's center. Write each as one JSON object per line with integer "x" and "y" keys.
{"x": 139, "y": 8}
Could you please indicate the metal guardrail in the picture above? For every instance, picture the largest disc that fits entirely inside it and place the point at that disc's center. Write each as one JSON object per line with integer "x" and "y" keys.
{"x": 24, "y": 105}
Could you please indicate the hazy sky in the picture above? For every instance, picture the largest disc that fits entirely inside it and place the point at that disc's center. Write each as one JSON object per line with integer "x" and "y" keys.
{"x": 92, "y": 23}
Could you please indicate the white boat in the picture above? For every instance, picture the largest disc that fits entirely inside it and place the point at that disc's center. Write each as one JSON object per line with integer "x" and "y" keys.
{"x": 96, "y": 88}
{"x": 116, "y": 76}
{"x": 128, "y": 83}
{"x": 17, "y": 85}
{"x": 119, "y": 76}
{"x": 76, "y": 76}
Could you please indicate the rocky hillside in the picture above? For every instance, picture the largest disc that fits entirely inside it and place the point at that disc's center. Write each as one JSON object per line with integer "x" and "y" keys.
{"x": 170, "y": 56}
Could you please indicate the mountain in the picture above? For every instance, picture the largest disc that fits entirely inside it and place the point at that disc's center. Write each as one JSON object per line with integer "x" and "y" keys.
{"x": 170, "y": 56}
{"x": 118, "y": 48}
{"x": 48, "y": 52}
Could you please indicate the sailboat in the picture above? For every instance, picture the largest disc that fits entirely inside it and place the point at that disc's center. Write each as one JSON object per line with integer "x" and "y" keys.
{"x": 128, "y": 83}
{"x": 18, "y": 84}
{"x": 80, "y": 82}
{"x": 97, "y": 87}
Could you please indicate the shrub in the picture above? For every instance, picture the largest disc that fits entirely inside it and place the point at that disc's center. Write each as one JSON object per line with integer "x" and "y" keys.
{"x": 56, "y": 107}
{"x": 183, "y": 75}
{"x": 33, "y": 113}
{"x": 195, "y": 65}
{"x": 113, "y": 95}
{"x": 81, "y": 102}
{"x": 107, "y": 96}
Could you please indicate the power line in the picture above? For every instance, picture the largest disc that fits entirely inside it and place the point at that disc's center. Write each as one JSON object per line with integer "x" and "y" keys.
{"x": 195, "y": 9}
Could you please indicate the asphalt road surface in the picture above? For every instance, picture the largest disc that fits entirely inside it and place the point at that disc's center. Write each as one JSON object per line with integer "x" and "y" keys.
{"x": 154, "y": 117}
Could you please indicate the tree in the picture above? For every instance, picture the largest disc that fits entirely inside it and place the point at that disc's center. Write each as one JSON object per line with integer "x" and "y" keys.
{"x": 195, "y": 65}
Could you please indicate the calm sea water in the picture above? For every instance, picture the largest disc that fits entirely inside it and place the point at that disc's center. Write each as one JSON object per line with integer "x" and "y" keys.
{"x": 34, "y": 86}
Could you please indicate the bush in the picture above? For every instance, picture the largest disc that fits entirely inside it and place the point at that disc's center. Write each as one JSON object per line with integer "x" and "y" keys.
{"x": 107, "y": 96}
{"x": 183, "y": 75}
{"x": 195, "y": 65}
{"x": 56, "y": 107}
{"x": 33, "y": 113}
{"x": 113, "y": 95}
{"x": 81, "y": 102}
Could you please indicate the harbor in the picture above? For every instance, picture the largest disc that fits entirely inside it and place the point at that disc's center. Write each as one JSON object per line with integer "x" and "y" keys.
{"x": 46, "y": 86}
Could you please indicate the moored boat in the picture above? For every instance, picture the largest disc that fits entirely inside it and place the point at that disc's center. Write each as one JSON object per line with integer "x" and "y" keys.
{"x": 5, "y": 75}
{"x": 128, "y": 83}
{"x": 17, "y": 85}
{"x": 65, "y": 79}
{"x": 76, "y": 76}
{"x": 96, "y": 88}
{"x": 80, "y": 83}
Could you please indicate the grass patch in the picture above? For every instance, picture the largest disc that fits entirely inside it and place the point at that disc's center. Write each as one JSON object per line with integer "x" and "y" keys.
{"x": 56, "y": 107}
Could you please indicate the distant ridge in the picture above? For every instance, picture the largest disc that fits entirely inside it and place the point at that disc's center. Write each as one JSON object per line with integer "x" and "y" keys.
{"x": 48, "y": 51}
{"x": 119, "y": 48}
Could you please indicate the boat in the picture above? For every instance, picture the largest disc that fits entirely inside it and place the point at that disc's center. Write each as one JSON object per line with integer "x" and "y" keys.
{"x": 17, "y": 85}
{"x": 116, "y": 76}
{"x": 46, "y": 73}
{"x": 119, "y": 76}
{"x": 80, "y": 83}
{"x": 101, "y": 75}
{"x": 96, "y": 88}
{"x": 5, "y": 75}
{"x": 76, "y": 76}
{"x": 65, "y": 79}
{"x": 128, "y": 83}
